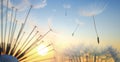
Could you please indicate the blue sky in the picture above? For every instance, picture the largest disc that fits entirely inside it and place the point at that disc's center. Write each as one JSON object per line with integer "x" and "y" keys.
{"x": 108, "y": 20}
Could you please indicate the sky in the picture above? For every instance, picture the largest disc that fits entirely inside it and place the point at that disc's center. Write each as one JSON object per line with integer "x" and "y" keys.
{"x": 71, "y": 22}
{"x": 107, "y": 20}
{"x": 64, "y": 15}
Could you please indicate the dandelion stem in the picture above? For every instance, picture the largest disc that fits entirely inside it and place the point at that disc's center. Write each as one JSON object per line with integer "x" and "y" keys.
{"x": 2, "y": 23}
{"x": 24, "y": 44}
{"x": 13, "y": 26}
{"x": 6, "y": 26}
{"x": 10, "y": 25}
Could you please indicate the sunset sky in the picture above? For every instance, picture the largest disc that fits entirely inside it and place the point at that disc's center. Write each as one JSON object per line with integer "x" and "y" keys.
{"x": 62, "y": 25}
{"x": 64, "y": 15}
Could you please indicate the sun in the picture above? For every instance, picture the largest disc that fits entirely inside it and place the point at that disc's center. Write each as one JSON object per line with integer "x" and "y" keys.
{"x": 42, "y": 50}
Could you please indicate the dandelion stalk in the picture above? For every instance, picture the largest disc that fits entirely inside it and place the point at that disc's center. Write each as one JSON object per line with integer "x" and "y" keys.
{"x": 22, "y": 27}
{"x": 17, "y": 47}
{"x": 2, "y": 23}
{"x": 10, "y": 25}
{"x": 33, "y": 54}
{"x": 13, "y": 26}
{"x": 34, "y": 44}
{"x": 26, "y": 41}
{"x": 6, "y": 25}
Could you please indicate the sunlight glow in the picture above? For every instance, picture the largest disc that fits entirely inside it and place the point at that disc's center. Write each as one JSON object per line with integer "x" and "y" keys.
{"x": 42, "y": 50}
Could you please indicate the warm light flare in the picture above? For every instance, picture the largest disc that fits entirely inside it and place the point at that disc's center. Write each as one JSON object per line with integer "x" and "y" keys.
{"x": 42, "y": 50}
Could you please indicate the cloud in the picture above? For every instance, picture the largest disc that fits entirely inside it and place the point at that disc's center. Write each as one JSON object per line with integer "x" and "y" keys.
{"x": 42, "y": 3}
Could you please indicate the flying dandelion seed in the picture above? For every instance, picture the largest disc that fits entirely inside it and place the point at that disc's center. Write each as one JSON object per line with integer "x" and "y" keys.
{"x": 78, "y": 24}
{"x": 75, "y": 30}
{"x": 12, "y": 46}
{"x": 50, "y": 21}
{"x": 93, "y": 10}
{"x": 66, "y": 7}
{"x": 96, "y": 30}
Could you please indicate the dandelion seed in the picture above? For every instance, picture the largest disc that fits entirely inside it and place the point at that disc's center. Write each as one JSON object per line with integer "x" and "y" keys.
{"x": 96, "y": 30}
{"x": 66, "y": 7}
